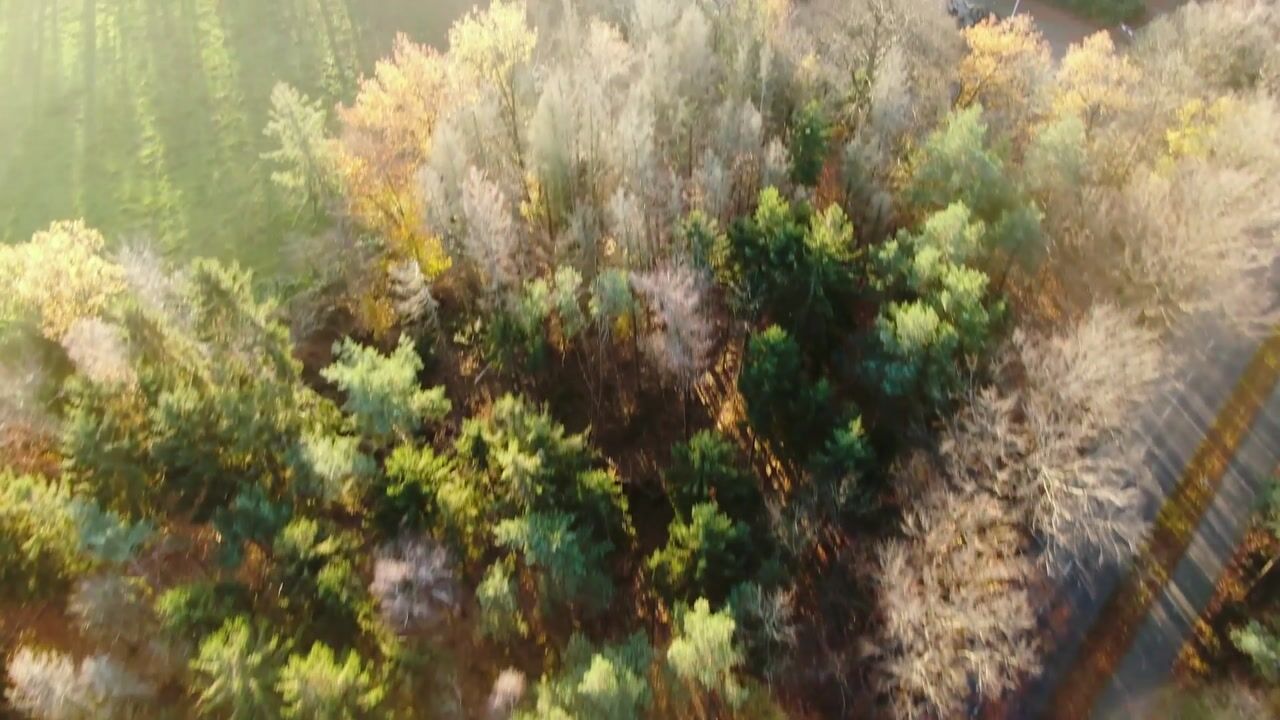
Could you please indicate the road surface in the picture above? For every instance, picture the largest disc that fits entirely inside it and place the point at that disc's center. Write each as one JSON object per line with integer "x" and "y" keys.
{"x": 1061, "y": 28}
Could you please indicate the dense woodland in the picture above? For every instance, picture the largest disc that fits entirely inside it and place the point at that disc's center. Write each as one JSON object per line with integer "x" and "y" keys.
{"x": 645, "y": 359}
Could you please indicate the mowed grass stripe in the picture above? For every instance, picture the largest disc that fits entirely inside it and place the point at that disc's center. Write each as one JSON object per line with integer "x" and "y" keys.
{"x": 1121, "y": 617}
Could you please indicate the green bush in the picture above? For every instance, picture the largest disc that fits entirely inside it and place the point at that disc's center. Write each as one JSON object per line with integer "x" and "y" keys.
{"x": 322, "y": 686}
{"x": 792, "y": 265}
{"x": 235, "y": 671}
{"x": 810, "y": 134}
{"x": 610, "y": 682}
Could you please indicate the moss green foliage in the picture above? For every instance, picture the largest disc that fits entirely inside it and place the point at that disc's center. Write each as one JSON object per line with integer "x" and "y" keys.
{"x": 957, "y": 164}
{"x": 569, "y": 565}
{"x": 522, "y": 461}
{"x": 199, "y": 609}
{"x": 251, "y": 517}
{"x": 418, "y": 483}
{"x": 106, "y": 536}
{"x": 704, "y": 654}
{"x": 942, "y": 316}
{"x": 566, "y": 298}
{"x": 1262, "y": 646}
{"x": 782, "y": 403}
{"x": 708, "y": 467}
{"x": 792, "y": 265}
{"x": 219, "y": 405}
{"x": 810, "y": 135}
{"x": 324, "y": 686}
{"x": 517, "y": 334}
{"x": 609, "y": 682}
{"x": 304, "y": 164}
{"x": 39, "y": 539}
{"x": 704, "y": 555}
{"x": 382, "y": 392}
{"x": 333, "y": 469}
{"x": 500, "y": 615}
{"x": 702, "y": 239}
{"x": 612, "y": 300}
{"x": 314, "y": 569}
{"x": 236, "y": 670}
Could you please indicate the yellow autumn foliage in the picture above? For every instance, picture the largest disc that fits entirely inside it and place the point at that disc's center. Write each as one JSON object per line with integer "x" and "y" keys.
{"x": 1006, "y": 71}
{"x": 58, "y": 277}
{"x": 386, "y": 137}
{"x": 1197, "y": 121}
{"x": 1094, "y": 83}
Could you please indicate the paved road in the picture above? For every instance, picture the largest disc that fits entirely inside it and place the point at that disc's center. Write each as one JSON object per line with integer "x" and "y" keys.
{"x": 1214, "y": 356}
{"x": 1145, "y": 670}
{"x": 1174, "y": 424}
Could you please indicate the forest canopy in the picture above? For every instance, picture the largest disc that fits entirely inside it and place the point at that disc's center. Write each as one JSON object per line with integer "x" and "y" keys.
{"x": 648, "y": 359}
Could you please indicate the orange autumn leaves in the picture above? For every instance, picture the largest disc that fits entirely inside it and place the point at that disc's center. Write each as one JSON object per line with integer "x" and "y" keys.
{"x": 386, "y": 137}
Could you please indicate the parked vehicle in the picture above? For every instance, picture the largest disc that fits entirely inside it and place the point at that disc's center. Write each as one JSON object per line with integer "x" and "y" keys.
{"x": 966, "y": 13}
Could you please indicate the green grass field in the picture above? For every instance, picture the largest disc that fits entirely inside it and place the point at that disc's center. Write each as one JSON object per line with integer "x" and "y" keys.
{"x": 145, "y": 117}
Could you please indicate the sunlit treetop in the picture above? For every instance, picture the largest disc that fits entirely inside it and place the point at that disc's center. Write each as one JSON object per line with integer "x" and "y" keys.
{"x": 58, "y": 277}
{"x": 1094, "y": 82}
{"x": 1007, "y": 70}
{"x": 492, "y": 43}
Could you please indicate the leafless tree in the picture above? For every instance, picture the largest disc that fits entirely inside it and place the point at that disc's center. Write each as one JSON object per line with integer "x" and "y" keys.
{"x": 410, "y": 293}
{"x": 491, "y": 240}
{"x": 1061, "y": 446}
{"x": 46, "y": 685}
{"x": 507, "y": 690}
{"x": 99, "y": 352}
{"x": 955, "y": 615}
{"x": 680, "y": 339}
{"x": 413, "y": 582}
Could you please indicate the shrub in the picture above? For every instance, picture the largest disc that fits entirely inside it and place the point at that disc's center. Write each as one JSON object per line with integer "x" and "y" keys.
{"x": 704, "y": 655}
{"x": 198, "y": 609}
{"x": 810, "y": 134}
{"x": 568, "y": 564}
{"x": 39, "y": 540}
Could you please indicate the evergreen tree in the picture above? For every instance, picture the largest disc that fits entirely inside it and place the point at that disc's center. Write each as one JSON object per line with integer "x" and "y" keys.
{"x": 500, "y": 615}
{"x": 609, "y": 682}
{"x": 945, "y": 317}
{"x": 39, "y": 538}
{"x": 791, "y": 264}
{"x": 810, "y": 134}
{"x": 569, "y": 565}
{"x": 781, "y": 403}
{"x": 708, "y": 467}
{"x": 704, "y": 556}
{"x": 704, "y": 655}
{"x": 383, "y": 395}
{"x": 322, "y": 686}
{"x": 235, "y": 672}
{"x": 304, "y": 158}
